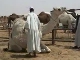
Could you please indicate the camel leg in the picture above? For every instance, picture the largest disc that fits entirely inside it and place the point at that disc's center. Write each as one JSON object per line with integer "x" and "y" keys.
{"x": 43, "y": 46}
{"x": 64, "y": 31}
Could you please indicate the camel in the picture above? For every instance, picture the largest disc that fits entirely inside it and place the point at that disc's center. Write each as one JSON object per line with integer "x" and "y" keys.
{"x": 18, "y": 39}
{"x": 3, "y": 21}
{"x": 56, "y": 15}
{"x": 12, "y": 18}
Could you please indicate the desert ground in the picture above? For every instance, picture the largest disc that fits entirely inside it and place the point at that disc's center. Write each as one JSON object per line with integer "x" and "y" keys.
{"x": 60, "y": 51}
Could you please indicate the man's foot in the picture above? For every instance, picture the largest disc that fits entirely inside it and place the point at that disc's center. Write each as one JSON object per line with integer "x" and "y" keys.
{"x": 29, "y": 55}
{"x": 75, "y": 47}
{"x": 34, "y": 53}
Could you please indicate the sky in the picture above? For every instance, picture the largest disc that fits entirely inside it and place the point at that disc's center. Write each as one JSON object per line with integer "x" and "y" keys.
{"x": 8, "y": 7}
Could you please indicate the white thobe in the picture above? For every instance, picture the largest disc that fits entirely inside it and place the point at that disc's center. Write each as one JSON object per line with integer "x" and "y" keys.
{"x": 33, "y": 39}
{"x": 77, "y": 36}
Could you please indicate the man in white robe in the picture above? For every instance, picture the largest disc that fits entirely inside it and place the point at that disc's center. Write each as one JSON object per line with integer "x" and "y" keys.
{"x": 33, "y": 38}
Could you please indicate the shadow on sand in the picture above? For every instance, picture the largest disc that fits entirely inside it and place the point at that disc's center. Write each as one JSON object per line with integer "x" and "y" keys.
{"x": 4, "y": 37}
{"x": 22, "y": 56}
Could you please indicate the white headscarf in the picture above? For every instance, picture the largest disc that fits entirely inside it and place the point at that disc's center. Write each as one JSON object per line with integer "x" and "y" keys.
{"x": 31, "y": 7}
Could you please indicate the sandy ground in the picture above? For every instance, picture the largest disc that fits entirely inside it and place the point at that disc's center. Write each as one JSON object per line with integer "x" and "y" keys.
{"x": 60, "y": 51}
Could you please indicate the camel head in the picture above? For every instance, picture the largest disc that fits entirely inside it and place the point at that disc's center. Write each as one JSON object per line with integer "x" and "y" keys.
{"x": 57, "y": 11}
{"x": 13, "y": 17}
{"x": 44, "y": 17}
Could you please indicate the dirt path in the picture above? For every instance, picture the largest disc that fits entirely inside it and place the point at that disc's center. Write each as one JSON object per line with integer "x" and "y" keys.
{"x": 60, "y": 51}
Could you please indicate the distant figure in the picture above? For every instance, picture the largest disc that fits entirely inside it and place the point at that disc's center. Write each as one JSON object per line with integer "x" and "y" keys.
{"x": 77, "y": 20}
{"x": 33, "y": 27}
{"x": 77, "y": 35}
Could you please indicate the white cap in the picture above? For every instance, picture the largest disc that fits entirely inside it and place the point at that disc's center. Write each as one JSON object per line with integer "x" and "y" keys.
{"x": 31, "y": 7}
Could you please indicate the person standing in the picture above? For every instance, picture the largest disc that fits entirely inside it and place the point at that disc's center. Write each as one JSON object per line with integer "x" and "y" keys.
{"x": 77, "y": 35}
{"x": 33, "y": 26}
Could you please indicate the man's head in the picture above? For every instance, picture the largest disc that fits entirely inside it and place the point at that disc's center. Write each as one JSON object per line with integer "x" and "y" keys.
{"x": 31, "y": 9}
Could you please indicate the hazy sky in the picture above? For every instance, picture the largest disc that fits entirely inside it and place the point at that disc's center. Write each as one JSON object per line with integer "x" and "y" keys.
{"x": 8, "y": 7}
